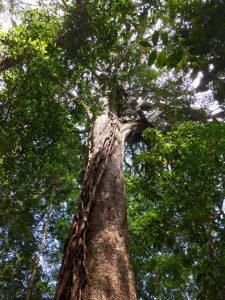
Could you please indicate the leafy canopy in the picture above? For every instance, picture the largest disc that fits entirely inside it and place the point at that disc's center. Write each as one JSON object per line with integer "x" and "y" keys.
{"x": 54, "y": 67}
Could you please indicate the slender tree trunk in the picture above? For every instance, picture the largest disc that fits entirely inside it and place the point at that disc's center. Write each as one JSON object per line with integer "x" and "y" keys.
{"x": 40, "y": 249}
{"x": 96, "y": 263}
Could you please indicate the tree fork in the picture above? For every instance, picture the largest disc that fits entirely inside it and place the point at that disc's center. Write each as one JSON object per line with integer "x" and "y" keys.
{"x": 96, "y": 263}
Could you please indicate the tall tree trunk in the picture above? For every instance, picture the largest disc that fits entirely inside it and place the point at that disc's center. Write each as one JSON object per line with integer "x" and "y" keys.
{"x": 96, "y": 263}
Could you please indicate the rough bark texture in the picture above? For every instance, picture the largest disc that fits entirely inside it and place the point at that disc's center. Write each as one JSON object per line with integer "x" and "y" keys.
{"x": 96, "y": 263}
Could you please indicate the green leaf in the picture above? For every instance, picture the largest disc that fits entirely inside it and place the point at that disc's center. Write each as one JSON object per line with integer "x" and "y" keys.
{"x": 155, "y": 38}
{"x": 161, "y": 59}
{"x": 152, "y": 57}
{"x": 174, "y": 59}
{"x": 144, "y": 44}
{"x": 164, "y": 37}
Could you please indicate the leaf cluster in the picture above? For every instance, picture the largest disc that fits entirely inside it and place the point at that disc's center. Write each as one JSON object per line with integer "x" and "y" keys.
{"x": 177, "y": 214}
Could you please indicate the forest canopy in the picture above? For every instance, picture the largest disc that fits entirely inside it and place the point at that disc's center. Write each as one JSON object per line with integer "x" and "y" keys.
{"x": 161, "y": 62}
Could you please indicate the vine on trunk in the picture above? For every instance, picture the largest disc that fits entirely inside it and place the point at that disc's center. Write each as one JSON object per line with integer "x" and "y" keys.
{"x": 73, "y": 273}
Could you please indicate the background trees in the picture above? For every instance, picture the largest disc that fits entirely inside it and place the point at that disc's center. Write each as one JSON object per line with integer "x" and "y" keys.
{"x": 54, "y": 66}
{"x": 181, "y": 228}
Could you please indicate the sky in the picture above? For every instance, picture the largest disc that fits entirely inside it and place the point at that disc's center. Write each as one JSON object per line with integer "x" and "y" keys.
{"x": 5, "y": 16}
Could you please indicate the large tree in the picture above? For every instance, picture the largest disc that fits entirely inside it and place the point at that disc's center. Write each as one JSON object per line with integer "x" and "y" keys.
{"x": 76, "y": 91}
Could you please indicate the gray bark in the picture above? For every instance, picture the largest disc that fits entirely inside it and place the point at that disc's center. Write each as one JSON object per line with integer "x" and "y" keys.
{"x": 96, "y": 263}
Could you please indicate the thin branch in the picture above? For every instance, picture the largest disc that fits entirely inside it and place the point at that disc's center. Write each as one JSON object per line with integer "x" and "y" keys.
{"x": 40, "y": 249}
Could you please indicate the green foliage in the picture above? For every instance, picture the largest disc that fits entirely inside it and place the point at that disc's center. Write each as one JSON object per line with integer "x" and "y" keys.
{"x": 152, "y": 57}
{"x": 44, "y": 98}
{"x": 177, "y": 215}
{"x": 144, "y": 44}
{"x": 190, "y": 35}
{"x": 37, "y": 137}
{"x": 61, "y": 65}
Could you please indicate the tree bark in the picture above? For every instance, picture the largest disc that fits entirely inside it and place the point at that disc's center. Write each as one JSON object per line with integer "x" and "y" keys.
{"x": 96, "y": 263}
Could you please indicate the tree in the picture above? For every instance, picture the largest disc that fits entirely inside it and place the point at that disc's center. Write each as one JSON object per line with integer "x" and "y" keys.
{"x": 94, "y": 63}
{"x": 178, "y": 213}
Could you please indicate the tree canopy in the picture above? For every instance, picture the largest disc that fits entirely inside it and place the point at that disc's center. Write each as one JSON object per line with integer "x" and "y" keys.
{"x": 143, "y": 56}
